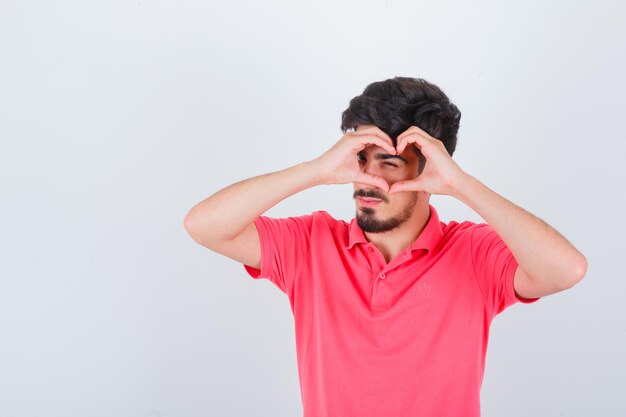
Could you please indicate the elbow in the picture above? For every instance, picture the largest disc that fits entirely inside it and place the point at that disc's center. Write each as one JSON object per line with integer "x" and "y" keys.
{"x": 193, "y": 231}
{"x": 199, "y": 231}
{"x": 579, "y": 272}
{"x": 582, "y": 268}
{"x": 189, "y": 223}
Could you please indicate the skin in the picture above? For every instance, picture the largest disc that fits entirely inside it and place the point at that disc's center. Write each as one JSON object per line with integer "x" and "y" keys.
{"x": 397, "y": 221}
{"x": 547, "y": 261}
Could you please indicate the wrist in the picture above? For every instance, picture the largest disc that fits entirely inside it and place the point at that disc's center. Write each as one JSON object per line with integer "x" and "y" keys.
{"x": 313, "y": 173}
{"x": 462, "y": 186}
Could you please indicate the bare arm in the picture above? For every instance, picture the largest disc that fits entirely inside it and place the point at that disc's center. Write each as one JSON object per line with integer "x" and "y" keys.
{"x": 224, "y": 222}
{"x": 547, "y": 261}
{"x": 225, "y": 214}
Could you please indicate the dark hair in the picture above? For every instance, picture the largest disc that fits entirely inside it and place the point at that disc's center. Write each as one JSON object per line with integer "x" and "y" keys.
{"x": 395, "y": 104}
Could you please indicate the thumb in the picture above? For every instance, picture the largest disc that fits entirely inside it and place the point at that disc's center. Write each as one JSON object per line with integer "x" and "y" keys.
{"x": 371, "y": 179}
{"x": 411, "y": 185}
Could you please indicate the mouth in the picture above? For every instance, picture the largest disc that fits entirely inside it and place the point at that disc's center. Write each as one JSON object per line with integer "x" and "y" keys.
{"x": 368, "y": 202}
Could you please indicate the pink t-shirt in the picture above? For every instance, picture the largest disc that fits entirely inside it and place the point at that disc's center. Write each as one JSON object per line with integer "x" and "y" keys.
{"x": 407, "y": 338}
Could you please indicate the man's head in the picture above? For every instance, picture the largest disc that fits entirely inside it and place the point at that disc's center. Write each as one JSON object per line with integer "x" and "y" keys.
{"x": 393, "y": 106}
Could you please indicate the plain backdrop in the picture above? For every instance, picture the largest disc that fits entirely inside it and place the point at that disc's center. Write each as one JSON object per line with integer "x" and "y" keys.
{"x": 116, "y": 117}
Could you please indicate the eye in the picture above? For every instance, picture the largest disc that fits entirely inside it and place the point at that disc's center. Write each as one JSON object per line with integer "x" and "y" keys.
{"x": 360, "y": 157}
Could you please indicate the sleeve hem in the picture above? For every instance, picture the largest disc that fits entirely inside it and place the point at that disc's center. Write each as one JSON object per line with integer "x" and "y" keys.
{"x": 266, "y": 252}
{"x": 510, "y": 283}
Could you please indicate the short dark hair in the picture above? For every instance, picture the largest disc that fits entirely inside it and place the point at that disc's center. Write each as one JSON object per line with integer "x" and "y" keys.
{"x": 395, "y": 104}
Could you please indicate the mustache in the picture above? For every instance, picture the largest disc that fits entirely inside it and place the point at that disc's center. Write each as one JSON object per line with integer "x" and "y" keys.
{"x": 368, "y": 194}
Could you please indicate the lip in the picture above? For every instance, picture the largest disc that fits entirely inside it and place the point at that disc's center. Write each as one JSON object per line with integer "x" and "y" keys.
{"x": 368, "y": 202}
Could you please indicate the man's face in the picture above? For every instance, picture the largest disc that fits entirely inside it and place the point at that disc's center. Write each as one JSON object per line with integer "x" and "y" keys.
{"x": 394, "y": 209}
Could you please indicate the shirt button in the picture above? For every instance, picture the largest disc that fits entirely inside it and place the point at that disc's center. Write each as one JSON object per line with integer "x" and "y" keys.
{"x": 370, "y": 249}
{"x": 382, "y": 276}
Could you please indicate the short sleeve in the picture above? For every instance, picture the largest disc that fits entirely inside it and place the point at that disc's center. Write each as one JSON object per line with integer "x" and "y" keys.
{"x": 494, "y": 268}
{"x": 285, "y": 247}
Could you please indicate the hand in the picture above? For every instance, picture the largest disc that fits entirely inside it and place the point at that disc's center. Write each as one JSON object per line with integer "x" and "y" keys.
{"x": 441, "y": 174}
{"x": 340, "y": 164}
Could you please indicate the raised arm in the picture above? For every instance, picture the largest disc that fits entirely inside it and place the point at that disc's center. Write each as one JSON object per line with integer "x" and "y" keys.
{"x": 223, "y": 222}
{"x": 547, "y": 261}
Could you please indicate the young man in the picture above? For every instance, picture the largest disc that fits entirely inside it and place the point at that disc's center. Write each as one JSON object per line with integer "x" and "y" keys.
{"x": 392, "y": 310}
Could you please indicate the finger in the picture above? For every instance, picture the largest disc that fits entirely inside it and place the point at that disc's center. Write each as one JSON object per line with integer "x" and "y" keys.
{"x": 410, "y": 131}
{"x": 412, "y": 185}
{"x": 371, "y": 179}
{"x": 415, "y": 130}
{"x": 379, "y": 133}
{"x": 376, "y": 140}
{"x": 423, "y": 132}
{"x": 414, "y": 138}
{"x": 402, "y": 143}
{"x": 403, "y": 134}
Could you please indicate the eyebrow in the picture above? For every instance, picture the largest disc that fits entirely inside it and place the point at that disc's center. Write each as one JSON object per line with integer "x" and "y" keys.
{"x": 380, "y": 156}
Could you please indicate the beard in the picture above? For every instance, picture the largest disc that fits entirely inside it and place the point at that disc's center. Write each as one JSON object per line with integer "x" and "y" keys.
{"x": 368, "y": 221}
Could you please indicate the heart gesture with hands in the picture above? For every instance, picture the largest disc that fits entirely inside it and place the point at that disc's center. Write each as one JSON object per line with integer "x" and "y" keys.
{"x": 441, "y": 174}
{"x": 339, "y": 165}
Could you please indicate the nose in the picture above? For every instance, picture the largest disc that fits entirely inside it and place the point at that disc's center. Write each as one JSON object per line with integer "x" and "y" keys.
{"x": 370, "y": 167}
{"x": 374, "y": 168}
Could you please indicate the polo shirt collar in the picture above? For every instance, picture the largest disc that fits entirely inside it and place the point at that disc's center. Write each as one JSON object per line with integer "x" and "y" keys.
{"x": 428, "y": 239}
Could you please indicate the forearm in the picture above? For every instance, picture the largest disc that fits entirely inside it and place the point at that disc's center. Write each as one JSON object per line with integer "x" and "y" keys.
{"x": 229, "y": 211}
{"x": 541, "y": 251}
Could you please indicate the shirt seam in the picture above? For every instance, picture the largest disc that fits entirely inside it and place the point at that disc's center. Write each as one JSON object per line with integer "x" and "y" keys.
{"x": 264, "y": 234}
{"x": 475, "y": 274}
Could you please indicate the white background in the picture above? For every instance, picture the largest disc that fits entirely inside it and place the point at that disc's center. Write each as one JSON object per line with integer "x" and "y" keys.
{"x": 116, "y": 117}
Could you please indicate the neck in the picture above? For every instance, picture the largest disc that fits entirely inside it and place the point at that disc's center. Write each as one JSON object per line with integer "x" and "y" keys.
{"x": 393, "y": 242}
